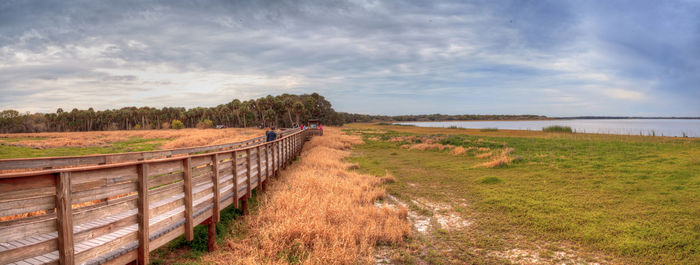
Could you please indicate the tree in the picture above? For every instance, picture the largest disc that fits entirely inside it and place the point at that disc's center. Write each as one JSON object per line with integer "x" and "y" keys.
{"x": 298, "y": 110}
{"x": 265, "y": 110}
{"x": 176, "y": 124}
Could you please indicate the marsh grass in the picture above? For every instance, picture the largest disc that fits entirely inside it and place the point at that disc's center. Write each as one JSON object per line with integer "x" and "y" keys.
{"x": 133, "y": 144}
{"x": 633, "y": 199}
{"x": 318, "y": 212}
{"x": 557, "y": 128}
{"x": 172, "y": 138}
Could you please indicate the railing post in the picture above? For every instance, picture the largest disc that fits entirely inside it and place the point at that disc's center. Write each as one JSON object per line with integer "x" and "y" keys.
{"x": 284, "y": 153}
{"x": 215, "y": 215}
{"x": 235, "y": 178}
{"x": 289, "y": 150}
{"x": 64, "y": 219}
{"x": 277, "y": 155}
{"x": 267, "y": 162}
{"x": 143, "y": 214}
{"x": 248, "y": 188}
{"x": 260, "y": 184}
{"x": 189, "y": 226}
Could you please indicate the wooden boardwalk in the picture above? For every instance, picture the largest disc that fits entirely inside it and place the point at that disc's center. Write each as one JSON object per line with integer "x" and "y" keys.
{"x": 116, "y": 213}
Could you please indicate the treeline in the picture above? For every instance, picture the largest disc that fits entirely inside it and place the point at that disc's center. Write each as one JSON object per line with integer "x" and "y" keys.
{"x": 350, "y": 117}
{"x": 281, "y": 111}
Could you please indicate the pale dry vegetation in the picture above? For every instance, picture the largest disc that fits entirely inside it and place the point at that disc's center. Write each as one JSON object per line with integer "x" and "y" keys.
{"x": 318, "y": 212}
{"x": 178, "y": 138}
{"x": 502, "y": 159}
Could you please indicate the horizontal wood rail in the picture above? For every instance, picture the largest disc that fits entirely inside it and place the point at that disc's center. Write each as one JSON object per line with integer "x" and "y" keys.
{"x": 102, "y": 159}
{"x": 117, "y": 213}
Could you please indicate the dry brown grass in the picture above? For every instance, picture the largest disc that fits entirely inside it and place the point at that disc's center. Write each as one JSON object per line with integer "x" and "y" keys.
{"x": 425, "y": 146}
{"x": 387, "y": 178}
{"x": 180, "y": 138}
{"x": 502, "y": 159}
{"x": 460, "y": 150}
{"x": 317, "y": 213}
{"x": 484, "y": 155}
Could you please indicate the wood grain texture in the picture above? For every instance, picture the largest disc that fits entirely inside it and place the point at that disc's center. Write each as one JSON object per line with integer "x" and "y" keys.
{"x": 189, "y": 226}
{"x": 143, "y": 214}
{"x": 132, "y": 202}
{"x": 215, "y": 188}
{"x": 64, "y": 219}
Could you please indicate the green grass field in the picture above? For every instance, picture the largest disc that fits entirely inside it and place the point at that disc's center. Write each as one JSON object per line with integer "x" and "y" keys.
{"x": 626, "y": 199}
{"x": 134, "y": 144}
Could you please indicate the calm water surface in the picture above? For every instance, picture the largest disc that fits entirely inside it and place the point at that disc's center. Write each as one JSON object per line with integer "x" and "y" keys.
{"x": 659, "y": 127}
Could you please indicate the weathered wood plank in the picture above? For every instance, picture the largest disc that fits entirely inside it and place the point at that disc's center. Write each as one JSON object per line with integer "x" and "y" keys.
{"x": 120, "y": 205}
{"x": 248, "y": 173}
{"x": 123, "y": 259}
{"x": 91, "y": 179}
{"x": 28, "y": 251}
{"x": 104, "y": 192}
{"x": 215, "y": 188}
{"x": 201, "y": 160}
{"x": 93, "y": 249}
{"x": 166, "y": 191}
{"x": 159, "y": 168}
{"x": 20, "y": 230}
{"x": 165, "y": 179}
{"x": 26, "y": 205}
{"x": 9, "y": 187}
{"x": 235, "y": 178}
{"x": 259, "y": 154}
{"x": 143, "y": 214}
{"x": 64, "y": 218}
{"x": 189, "y": 226}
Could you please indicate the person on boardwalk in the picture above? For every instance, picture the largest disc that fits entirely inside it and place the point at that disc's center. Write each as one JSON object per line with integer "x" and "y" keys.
{"x": 271, "y": 134}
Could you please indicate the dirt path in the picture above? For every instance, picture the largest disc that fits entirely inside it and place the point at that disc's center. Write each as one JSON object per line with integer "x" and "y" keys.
{"x": 434, "y": 224}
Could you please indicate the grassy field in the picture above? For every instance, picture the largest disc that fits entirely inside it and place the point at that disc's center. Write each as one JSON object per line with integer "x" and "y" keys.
{"x": 101, "y": 142}
{"x": 539, "y": 197}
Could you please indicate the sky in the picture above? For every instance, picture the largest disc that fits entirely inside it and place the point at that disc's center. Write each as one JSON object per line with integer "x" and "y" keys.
{"x": 554, "y": 58}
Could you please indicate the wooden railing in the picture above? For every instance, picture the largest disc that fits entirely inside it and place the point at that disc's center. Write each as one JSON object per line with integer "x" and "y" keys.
{"x": 117, "y": 213}
{"x": 102, "y": 159}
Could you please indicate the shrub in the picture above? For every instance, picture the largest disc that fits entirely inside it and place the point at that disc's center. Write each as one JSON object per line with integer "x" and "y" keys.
{"x": 490, "y": 180}
{"x": 557, "y": 128}
{"x": 205, "y": 124}
{"x": 489, "y": 129}
{"x": 177, "y": 124}
{"x": 165, "y": 125}
{"x": 137, "y": 127}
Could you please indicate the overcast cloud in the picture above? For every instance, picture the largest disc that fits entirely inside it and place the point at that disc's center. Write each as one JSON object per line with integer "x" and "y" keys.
{"x": 554, "y": 58}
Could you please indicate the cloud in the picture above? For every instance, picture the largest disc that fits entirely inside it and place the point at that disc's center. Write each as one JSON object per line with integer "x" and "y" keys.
{"x": 540, "y": 57}
{"x": 624, "y": 94}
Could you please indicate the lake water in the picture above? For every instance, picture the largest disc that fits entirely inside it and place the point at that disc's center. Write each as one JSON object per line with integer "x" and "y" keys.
{"x": 659, "y": 127}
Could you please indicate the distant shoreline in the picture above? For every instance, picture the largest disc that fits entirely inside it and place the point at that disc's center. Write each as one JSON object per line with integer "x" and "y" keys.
{"x": 624, "y": 118}
{"x": 567, "y": 118}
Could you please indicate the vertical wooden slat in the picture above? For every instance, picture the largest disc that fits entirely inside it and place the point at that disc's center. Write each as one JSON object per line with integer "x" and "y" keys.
{"x": 284, "y": 155}
{"x": 189, "y": 227}
{"x": 215, "y": 215}
{"x": 268, "y": 167}
{"x": 143, "y": 216}
{"x": 235, "y": 178}
{"x": 259, "y": 168}
{"x": 276, "y": 155}
{"x": 247, "y": 181}
{"x": 64, "y": 219}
